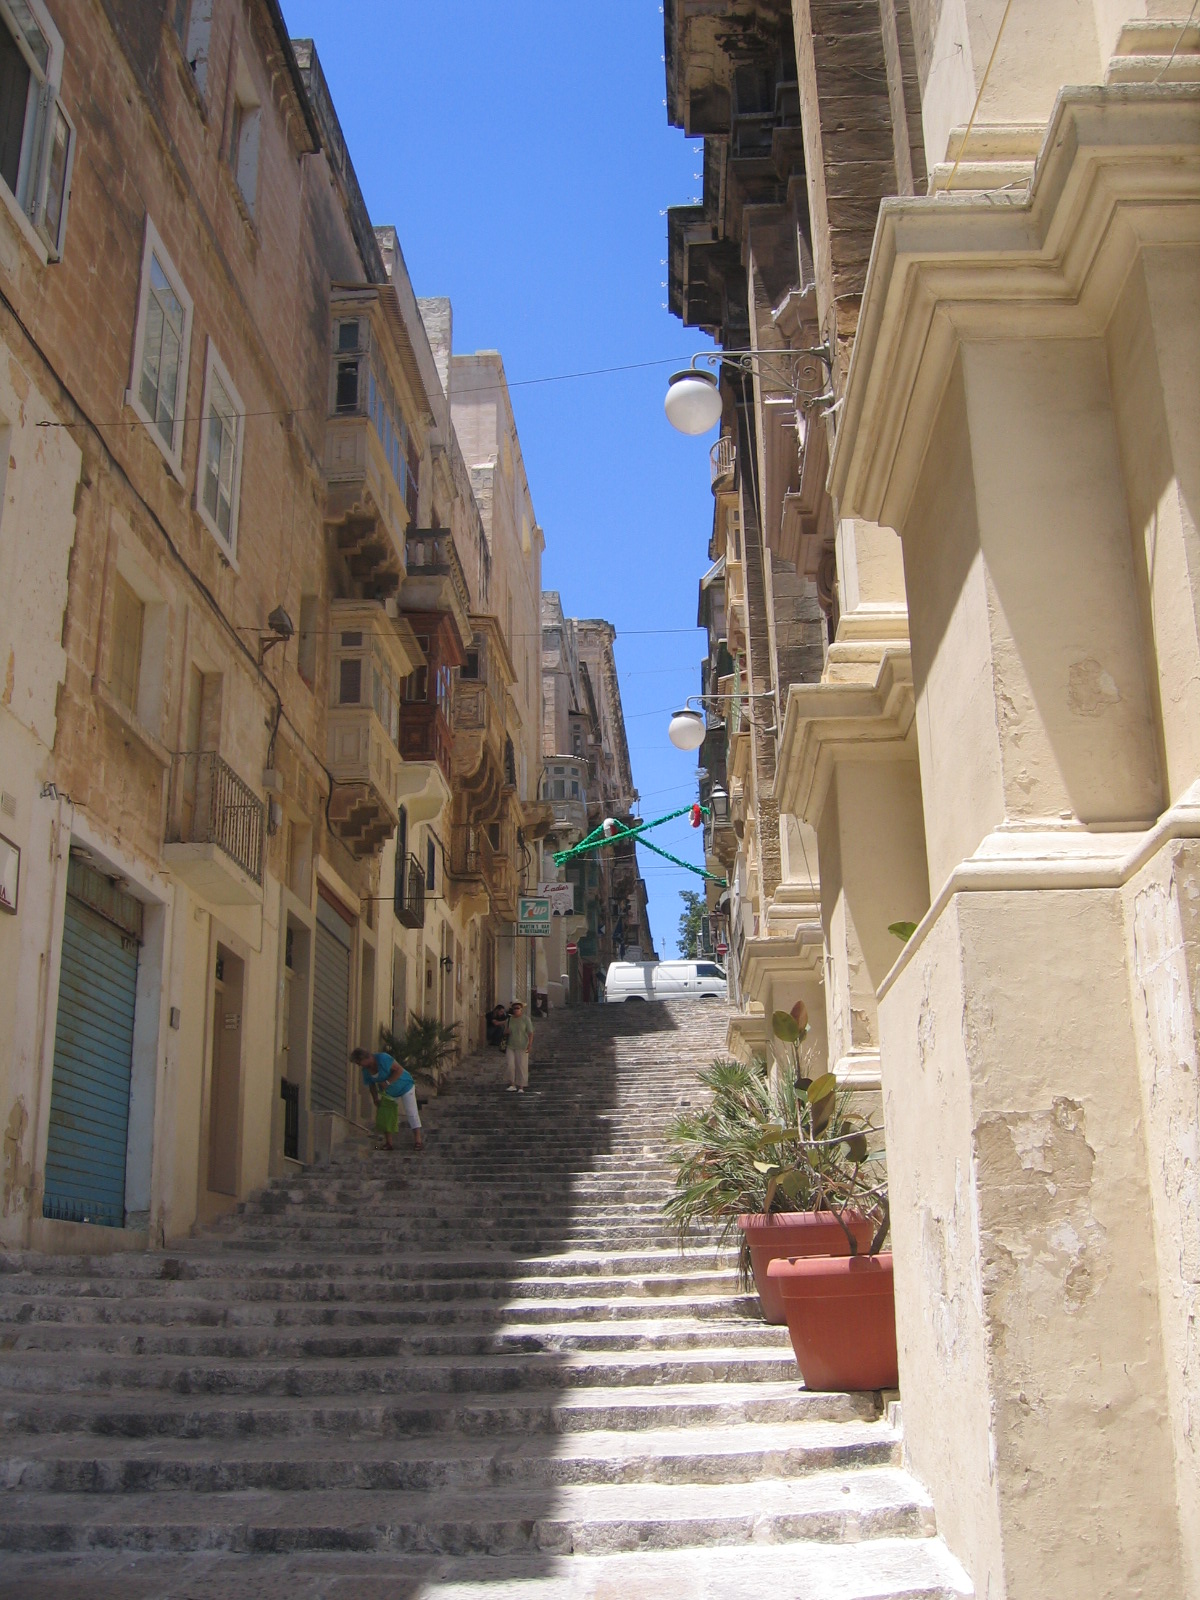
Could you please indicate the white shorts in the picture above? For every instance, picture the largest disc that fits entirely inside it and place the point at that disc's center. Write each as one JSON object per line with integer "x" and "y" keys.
{"x": 409, "y": 1102}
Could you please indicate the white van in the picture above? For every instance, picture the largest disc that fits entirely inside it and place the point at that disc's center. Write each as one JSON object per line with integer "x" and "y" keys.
{"x": 665, "y": 980}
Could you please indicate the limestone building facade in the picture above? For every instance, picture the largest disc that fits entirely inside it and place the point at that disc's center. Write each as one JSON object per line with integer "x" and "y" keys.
{"x": 958, "y": 244}
{"x": 588, "y": 777}
{"x": 245, "y": 576}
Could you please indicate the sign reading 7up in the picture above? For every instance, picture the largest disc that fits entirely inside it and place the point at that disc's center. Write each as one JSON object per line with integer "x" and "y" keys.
{"x": 533, "y": 916}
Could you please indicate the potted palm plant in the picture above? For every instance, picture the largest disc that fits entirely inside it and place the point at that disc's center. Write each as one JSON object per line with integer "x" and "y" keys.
{"x": 427, "y": 1048}
{"x": 740, "y": 1162}
{"x": 839, "y": 1306}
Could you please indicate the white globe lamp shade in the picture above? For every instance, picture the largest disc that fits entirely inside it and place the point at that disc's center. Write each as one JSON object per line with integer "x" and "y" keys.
{"x": 686, "y": 730}
{"x": 693, "y": 403}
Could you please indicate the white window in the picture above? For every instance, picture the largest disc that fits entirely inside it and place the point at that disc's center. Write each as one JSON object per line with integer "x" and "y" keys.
{"x": 37, "y": 138}
{"x": 162, "y": 341}
{"x": 219, "y": 469}
{"x": 245, "y": 125}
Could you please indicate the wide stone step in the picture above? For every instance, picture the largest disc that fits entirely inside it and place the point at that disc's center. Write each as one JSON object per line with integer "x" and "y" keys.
{"x": 741, "y": 1453}
{"x": 837, "y": 1507}
{"x": 30, "y": 1291}
{"x": 38, "y": 1373}
{"x": 479, "y": 1415}
{"x": 395, "y": 1344}
{"x": 486, "y": 1369}
{"x": 206, "y": 1260}
{"x": 878, "y": 1569}
{"x": 401, "y": 1312}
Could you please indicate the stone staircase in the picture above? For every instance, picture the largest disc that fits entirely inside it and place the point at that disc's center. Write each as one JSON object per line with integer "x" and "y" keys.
{"x": 482, "y": 1370}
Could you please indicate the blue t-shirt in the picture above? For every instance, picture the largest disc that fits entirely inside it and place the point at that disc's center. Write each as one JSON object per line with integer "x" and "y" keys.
{"x": 384, "y": 1065}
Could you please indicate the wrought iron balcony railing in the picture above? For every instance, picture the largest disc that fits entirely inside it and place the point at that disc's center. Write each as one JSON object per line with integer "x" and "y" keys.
{"x": 217, "y": 807}
{"x": 410, "y": 893}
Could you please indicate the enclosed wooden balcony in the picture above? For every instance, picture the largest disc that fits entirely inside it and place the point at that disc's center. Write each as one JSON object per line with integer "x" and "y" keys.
{"x": 426, "y": 740}
{"x": 484, "y": 720}
{"x": 436, "y": 582}
{"x": 500, "y": 876}
{"x": 372, "y": 444}
{"x": 372, "y": 657}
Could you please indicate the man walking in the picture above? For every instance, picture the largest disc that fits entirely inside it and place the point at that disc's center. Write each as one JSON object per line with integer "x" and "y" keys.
{"x": 520, "y": 1039}
{"x": 390, "y": 1083}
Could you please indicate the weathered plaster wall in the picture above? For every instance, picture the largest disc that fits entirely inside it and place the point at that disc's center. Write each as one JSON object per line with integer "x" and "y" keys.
{"x": 1162, "y": 907}
{"x": 1048, "y": 1136}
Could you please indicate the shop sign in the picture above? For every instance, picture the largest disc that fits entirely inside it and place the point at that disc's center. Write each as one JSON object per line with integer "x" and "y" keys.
{"x": 561, "y": 897}
{"x": 533, "y": 916}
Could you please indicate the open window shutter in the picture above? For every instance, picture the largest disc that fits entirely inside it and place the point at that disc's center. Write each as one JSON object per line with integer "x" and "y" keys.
{"x": 49, "y": 212}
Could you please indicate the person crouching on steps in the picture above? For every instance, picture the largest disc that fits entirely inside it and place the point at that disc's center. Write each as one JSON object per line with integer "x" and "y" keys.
{"x": 390, "y": 1085}
{"x": 520, "y": 1040}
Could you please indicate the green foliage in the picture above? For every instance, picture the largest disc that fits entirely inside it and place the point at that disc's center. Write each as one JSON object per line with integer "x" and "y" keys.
{"x": 690, "y": 919}
{"x": 903, "y": 930}
{"x": 773, "y": 1141}
{"x": 424, "y": 1048}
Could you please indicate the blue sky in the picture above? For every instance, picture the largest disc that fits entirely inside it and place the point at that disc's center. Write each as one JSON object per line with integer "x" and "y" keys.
{"x": 521, "y": 148}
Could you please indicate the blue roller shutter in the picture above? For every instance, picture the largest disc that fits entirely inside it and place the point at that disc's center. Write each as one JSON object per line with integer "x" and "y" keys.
{"x": 93, "y": 1062}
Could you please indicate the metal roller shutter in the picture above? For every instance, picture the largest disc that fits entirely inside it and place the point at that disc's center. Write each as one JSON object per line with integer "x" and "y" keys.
{"x": 93, "y": 1064}
{"x": 331, "y": 1011}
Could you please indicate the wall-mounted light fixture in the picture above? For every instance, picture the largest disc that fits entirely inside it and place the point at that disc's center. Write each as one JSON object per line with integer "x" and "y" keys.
{"x": 693, "y": 402}
{"x": 280, "y": 629}
{"x": 687, "y": 727}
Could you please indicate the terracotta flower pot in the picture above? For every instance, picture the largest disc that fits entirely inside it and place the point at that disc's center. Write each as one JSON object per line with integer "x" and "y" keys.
{"x": 795, "y": 1233}
{"x": 841, "y": 1315}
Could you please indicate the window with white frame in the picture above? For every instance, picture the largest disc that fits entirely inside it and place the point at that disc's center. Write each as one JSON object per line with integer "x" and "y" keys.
{"x": 37, "y": 138}
{"x": 161, "y": 347}
{"x": 219, "y": 469}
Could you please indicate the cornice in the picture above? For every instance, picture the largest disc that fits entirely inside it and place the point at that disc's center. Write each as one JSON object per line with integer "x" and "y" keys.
{"x": 1118, "y": 170}
{"x": 828, "y": 722}
{"x": 802, "y": 955}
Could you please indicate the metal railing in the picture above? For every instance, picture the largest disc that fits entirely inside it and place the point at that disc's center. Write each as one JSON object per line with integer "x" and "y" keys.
{"x": 410, "y": 894}
{"x": 722, "y": 459}
{"x": 217, "y": 807}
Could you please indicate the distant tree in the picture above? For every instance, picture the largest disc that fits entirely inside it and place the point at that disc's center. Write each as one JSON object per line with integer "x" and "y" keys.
{"x": 690, "y": 919}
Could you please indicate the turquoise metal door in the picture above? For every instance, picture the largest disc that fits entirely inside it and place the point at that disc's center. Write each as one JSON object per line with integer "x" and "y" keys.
{"x": 93, "y": 1062}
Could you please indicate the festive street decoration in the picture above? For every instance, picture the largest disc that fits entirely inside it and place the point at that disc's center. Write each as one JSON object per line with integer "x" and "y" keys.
{"x": 612, "y": 831}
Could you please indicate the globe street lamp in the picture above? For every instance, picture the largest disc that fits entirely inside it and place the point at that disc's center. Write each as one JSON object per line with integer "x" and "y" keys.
{"x": 687, "y": 727}
{"x": 693, "y": 402}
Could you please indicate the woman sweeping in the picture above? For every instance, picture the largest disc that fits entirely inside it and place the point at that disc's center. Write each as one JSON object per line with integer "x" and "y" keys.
{"x": 390, "y": 1085}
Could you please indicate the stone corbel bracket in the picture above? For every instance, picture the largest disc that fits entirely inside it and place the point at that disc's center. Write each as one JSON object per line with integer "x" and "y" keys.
{"x": 828, "y": 722}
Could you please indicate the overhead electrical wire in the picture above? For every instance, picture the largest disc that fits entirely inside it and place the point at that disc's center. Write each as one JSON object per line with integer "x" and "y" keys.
{"x": 302, "y": 411}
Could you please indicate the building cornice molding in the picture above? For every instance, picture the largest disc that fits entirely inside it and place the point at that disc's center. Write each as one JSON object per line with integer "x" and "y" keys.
{"x": 825, "y": 723}
{"x": 802, "y": 955}
{"x": 1119, "y": 169}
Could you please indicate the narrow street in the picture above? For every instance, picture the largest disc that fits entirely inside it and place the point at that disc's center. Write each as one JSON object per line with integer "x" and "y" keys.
{"x": 486, "y": 1369}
